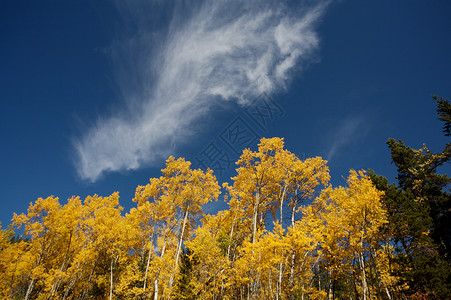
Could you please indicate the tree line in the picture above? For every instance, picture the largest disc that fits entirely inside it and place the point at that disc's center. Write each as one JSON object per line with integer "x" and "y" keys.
{"x": 287, "y": 233}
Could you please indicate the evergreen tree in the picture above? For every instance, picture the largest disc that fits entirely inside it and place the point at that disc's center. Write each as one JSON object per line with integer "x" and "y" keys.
{"x": 184, "y": 286}
{"x": 419, "y": 213}
{"x": 444, "y": 112}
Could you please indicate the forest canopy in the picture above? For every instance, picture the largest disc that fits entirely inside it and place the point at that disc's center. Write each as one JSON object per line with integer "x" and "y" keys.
{"x": 287, "y": 233}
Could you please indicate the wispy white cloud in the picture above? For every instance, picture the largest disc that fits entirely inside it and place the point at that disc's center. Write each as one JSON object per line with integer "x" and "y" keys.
{"x": 170, "y": 77}
{"x": 347, "y": 132}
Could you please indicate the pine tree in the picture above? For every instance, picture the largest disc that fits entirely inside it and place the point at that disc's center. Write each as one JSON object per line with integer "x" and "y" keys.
{"x": 184, "y": 286}
{"x": 419, "y": 211}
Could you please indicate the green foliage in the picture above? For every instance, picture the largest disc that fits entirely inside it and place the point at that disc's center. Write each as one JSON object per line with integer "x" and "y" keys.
{"x": 419, "y": 264}
{"x": 409, "y": 220}
{"x": 444, "y": 112}
{"x": 419, "y": 214}
{"x": 184, "y": 286}
{"x": 417, "y": 176}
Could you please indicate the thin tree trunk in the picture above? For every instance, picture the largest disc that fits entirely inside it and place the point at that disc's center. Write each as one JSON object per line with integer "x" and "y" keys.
{"x": 355, "y": 266}
{"x": 111, "y": 274}
{"x": 231, "y": 233}
{"x": 319, "y": 278}
{"x": 254, "y": 216}
{"x": 179, "y": 246}
{"x": 387, "y": 291}
{"x": 248, "y": 291}
{"x": 156, "y": 281}
{"x": 364, "y": 284}
{"x": 376, "y": 271}
{"x": 155, "y": 294}
{"x": 148, "y": 262}
{"x": 85, "y": 292}
{"x": 33, "y": 279}
{"x": 279, "y": 287}
{"x": 293, "y": 258}
{"x": 30, "y": 288}
{"x": 270, "y": 283}
{"x": 56, "y": 284}
{"x": 293, "y": 252}
{"x": 329, "y": 292}
{"x": 72, "y": 282}
{"x": 281, "y": 203}
{"x": 362, "y": 261}
{"x": 279, "y": 292}
{"x": 294, "y": 204}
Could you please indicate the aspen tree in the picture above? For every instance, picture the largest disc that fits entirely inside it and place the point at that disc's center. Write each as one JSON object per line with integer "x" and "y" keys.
{"x": 347, "y": 222}
{"x": 179, "y": 194}
{"x": 39, "y": 225}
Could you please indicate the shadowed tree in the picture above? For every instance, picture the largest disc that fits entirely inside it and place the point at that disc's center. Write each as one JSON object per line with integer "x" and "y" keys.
{"x": 419, "y": 213}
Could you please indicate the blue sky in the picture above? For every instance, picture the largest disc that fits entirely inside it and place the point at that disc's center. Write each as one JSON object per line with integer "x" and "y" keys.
{"x": 95, "y": 95}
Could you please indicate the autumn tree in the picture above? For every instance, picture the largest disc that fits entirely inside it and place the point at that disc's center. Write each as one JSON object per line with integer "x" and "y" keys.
{"x": 346, "y": 222}
{"x": 41, "y": 224}
{"x": 177, "y": 198}
{"x": 271, "y": 177}
{"x": 279, "y": 238}
{"x": 267, "y": 180}
{"x": 12, "y": 281}
{"x": 210, "y": 249}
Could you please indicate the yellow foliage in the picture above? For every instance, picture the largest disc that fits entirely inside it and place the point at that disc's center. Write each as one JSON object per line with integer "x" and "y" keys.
{"x": 89, "y": 249}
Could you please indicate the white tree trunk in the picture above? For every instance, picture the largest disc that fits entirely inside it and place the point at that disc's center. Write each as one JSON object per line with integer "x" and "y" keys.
{"x": 33, "y": 279}
{"x": 111, "y": 274}
{"x": 364, "y": 284}
{"x": 254, "y": 216}
{"x": 148, "y": 262}
{"x": 279, "y": 284}
{"x": 30, "y": 288}
{"x": 179, "y": 246}
{"x": 157, "y": 281}
{"x": 282, "y": 197}
{"x": 72, "y": 282}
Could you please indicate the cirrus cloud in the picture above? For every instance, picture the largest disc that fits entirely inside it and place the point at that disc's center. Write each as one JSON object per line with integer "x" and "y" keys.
{"x": 173, "y": 75}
